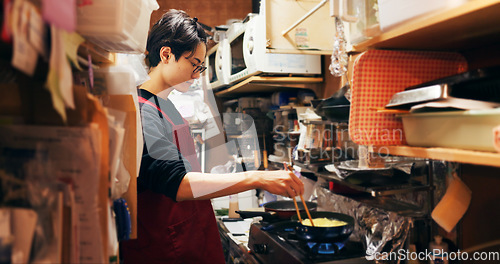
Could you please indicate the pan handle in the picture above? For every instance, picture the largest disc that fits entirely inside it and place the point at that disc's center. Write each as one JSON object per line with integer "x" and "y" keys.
{"x": 264, "y": 215}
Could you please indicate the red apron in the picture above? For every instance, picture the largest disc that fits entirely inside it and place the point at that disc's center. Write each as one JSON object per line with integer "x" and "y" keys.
{"x": 174, "y": 232}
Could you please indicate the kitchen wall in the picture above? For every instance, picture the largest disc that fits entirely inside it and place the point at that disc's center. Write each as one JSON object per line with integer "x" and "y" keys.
{"x": 211, "y": 13}
{"x": 480, "y": 223}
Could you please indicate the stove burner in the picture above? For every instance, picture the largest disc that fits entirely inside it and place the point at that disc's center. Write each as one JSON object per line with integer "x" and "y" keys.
{"x": 278, "y": 243}
{"x": 324, "y": 248}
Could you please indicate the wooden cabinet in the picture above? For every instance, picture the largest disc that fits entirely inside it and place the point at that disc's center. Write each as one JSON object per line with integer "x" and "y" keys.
{"x": 473, "y": 30}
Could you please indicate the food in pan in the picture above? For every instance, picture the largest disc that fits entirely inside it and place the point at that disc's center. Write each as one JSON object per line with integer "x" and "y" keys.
{"x": 324, "y": 222}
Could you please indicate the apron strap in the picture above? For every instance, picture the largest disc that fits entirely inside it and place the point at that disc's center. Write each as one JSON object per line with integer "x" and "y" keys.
{"x": 177, "y": 139}
{"x": 143, "y": 100}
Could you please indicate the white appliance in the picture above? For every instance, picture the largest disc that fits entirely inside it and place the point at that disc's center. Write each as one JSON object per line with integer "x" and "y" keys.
{"x": 246, "y": 55}
{"x": 216, "y": 74}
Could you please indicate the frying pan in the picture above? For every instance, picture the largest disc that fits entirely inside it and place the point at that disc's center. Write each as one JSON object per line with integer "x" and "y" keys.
{"x": 334, "y": 108}
{"x": 278, "y": 210}
{"x": 325, "y": 234}
{"x": 336, "y": 112}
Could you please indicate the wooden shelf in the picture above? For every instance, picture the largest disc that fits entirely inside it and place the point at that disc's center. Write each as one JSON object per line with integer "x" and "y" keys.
{"x": 468, "y": 26}
{"x": 301, "y": 51}
{"x": 448, "y": 154}
{"x": 258, "y": 84}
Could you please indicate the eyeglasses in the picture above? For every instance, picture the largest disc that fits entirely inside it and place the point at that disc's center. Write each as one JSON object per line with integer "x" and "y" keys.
{"x": 198, "y": 68}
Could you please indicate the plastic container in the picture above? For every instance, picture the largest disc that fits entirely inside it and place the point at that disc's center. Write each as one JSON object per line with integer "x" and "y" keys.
{"x": 471, "y": 129}
{"x": 233, "y": 206}
{"x": 439, "y": 251}
{"x": 116, "y": 25}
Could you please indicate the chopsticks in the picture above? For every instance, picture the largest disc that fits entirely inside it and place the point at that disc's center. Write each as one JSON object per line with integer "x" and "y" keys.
{"x": 297, "y": 208}
{"x": 290, "y": 168}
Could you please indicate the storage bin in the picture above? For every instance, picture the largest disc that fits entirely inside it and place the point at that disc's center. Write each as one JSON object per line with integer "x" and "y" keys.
{"x": 116, "y": 25}
{"x": 471, "y": 129}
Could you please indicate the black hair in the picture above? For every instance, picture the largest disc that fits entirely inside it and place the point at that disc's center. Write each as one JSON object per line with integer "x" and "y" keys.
{"x": 175, "y": 29}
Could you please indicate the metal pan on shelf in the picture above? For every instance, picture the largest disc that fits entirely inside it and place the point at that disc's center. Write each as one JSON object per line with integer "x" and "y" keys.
{"x": 353, "y": 165}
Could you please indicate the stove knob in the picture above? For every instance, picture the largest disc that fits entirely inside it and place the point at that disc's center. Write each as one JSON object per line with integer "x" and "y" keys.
{"x": 260, "y": 248}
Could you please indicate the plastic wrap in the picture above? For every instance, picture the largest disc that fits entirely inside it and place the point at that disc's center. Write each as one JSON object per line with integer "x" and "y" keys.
{"x": 379, "y": 230}
{"x": 24, "y": 184}
{"x": 44, "y": 197}
{"x": 119, "y": 177}
{"x": 338, "y": 66}
{"x": 135, "y": 62}
{"x": 384, "y": 231}
{"x": 60, "y": 167}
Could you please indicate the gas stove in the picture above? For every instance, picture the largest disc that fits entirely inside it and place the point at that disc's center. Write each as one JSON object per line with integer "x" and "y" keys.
{"x": 277, "y": 243}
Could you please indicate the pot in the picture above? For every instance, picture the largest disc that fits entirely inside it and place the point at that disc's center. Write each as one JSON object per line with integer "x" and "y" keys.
{"x": 337, "y": 112}
{"x": 325, "y": 234}
{"x": 334, "y": 108}
{"x": 278, "y": 210}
